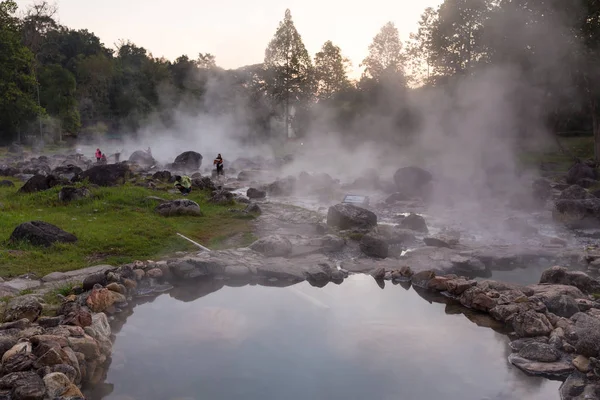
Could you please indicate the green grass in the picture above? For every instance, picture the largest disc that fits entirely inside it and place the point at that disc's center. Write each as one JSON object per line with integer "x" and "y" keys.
{"x": 576, "y": 146}
{"x": 117, "y": 225}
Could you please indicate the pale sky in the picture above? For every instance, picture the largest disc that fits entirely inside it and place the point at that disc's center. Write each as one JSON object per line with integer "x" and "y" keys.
{"x": 237, "y": 31}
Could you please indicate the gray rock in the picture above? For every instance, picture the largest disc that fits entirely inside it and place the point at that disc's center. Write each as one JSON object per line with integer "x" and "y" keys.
{"x": 374, "y": 245}
{"x": 580, "y": 171}
{"x": 98, "y": 278}
{"x": 414, "y": 222}
{"x": 542, "y": 352}
{"x": 41, "y": 233}
{"x": 563, "y": 276}
{"x": 24, "y": 385}
{"x": 38, "y": 183}
{"x": 253, "y": 208}
{"x": 180, "y": 207}
{"x": 221, "y": 196}
{"x": 253, "y": 193}
{"x": 413, "y": 181}
{"x": 273, "y": 246}
{"x": 55, "y": 276}
{"x": 23, "y": 307}
{"x": 587, "y": 330}
{"x": 188, "y": 161}
{"x": 563, "y": 306}
{"x": 558, "y": 369}
{"x": 70, "y": 193}
{"x": 531, "y": 323}
{"x": 56, "y": 384}
{"x": 578, "y": 214}
{"x": 347, "y": 216}
{"x": 575, "y": 192}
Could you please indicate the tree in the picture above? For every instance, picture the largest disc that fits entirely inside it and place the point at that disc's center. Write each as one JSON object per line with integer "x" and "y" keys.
{"x": 289, "y": 68}
{"x": 385, "y": 54}
{"x": 330, "y": 71}
{"x": 206, "y": 61}
{"x": 418, "y": 49}
{"x": 57, "y": 89}
{"x": 17, "y": 81}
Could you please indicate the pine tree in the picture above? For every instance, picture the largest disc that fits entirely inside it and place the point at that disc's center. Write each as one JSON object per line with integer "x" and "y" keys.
{"x": 330, "y": 71}
{"x": 385, "y": 54}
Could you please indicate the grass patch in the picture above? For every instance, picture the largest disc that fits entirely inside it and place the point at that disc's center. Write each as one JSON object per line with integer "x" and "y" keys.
{"x": 117, "y": 225}
{"x": 577, "y": 146}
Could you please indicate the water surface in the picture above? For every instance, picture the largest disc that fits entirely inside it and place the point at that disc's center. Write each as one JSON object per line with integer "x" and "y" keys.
{"x": 353, "y": 341}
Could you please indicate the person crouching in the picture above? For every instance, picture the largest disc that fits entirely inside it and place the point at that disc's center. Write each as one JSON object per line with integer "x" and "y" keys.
{"x": 184, "y": 184}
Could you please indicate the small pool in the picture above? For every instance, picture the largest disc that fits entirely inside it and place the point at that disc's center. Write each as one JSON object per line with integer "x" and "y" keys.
{"x": 352, "y": 341}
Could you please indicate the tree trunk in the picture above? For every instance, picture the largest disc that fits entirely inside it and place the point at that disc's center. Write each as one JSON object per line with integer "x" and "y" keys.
{"x": 596, "y": 127}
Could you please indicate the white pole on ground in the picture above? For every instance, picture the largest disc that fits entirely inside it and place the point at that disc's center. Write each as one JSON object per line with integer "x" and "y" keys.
{"x": 196, "y": 243}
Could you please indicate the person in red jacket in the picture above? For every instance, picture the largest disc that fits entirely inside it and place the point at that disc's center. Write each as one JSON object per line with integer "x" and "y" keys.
{"x": 98, "y": 155}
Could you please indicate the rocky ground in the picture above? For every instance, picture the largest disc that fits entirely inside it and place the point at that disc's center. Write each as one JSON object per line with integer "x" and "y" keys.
{"x": 555, "y": 323}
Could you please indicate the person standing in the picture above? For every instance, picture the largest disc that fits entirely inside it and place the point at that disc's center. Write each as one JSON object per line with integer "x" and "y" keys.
{"x": 98, "y": 155}
{"x": 219, "y": 163}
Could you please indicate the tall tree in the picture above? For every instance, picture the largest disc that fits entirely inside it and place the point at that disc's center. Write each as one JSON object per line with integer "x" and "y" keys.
{"x": 17, "y": 82}
{"x": 330, "y": 71}
{"x": 57, "y": 91}
{"x": 289, "y": 68}
{"x": 418, "y": 49}
{"x": 385, "y": 54}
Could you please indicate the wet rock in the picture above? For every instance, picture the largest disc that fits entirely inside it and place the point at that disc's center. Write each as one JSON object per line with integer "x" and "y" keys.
{"x": 587, "y": 330}
{"x": 253, "y": 208}
{"x": 563, "y": 276}
{"x": 90, "y": 281}
{"x": 347, "y": 216}
{"x": 421, "y": 278}
{"x": 28, "y": 307}
{"x": 221, "y": 196}
{"x": 155, "y": 273}
{"x": 18, "y": 362}
{"x": 374, "y": 245}
{"x": 578, "y": 214}
{"x": 520, "y": 226}
{"x": 537, "y": 351}
{"x": 38, "y": 183}
{"x": 414, "y": 222}
{"x": 582, "y": 364}
{"x": 575, "y": 192}
{"x": 457, "y": 287}
{"x": 24, "y": 385}
{"x": 477, "y": 299}
{"x": 74, "y": 314}
{"x": 56, "y": 384}
{"x": 395, "y": 235}
{"x": 106, "y": 175}
{"x": 253, "y": 193}
{"x": 71, "y": 193}
{"x": 581, "y": 171}
{"x": 319, "y": 274}
{"x": 531, "y": 323}
{"x": 563, "y": 306}
{"x": 378, "y": 273}
{"x": 273, "y": 246}
{"x": 395, "y": 197}
{"x": 181, "y": 207}
{"x": 439, "y": 241}
{"x": 117, "y": 287}
{"x": 282, "y": 187}
{"x": 329, "y": 243}
{"x": 503, "y": 286}
{"x": 188, "y": 161}
{"x": 403, "y": 273}
{"x": 438, "y": 283}
{"x": 40, "y": 233}
{"x": 558, "y": 369}
{"x": 85, "y": 345}
{"x": 413, "y": 181}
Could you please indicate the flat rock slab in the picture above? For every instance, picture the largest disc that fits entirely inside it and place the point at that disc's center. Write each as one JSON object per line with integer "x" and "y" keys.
{"x": 558, "y": 369}
{"x": 22, "y": 284}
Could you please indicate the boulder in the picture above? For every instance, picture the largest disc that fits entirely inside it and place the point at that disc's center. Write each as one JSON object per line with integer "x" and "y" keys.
{"x": 374, "y": 245}
{"x": 531, "y": 324}
{"x": 347, "y": 216}
{"x": 581, "y": 171}
{"x": 414, "y": 222}
{"x": 67, "y": 172}
{"x": 6, "y": 183}
{"x": 575, "y": 192}
{"x": 221, "y": 196}
{"x": 558, "y": 369}
{"x": 24, "y": 385}
{"x": 253, "y": 193}
{"x": 179, "y": 208}
{"x": 56, "y": 384}
{"x": 563, "y": 306}
{"x": 203, "y": 183}
{"x": 21, "y": 307}
{"x": 163, "y": 176}
{"x": 253, "y": 208}
{"x": 282, "y": 187}
{"x": 587, "y": 330}
{"x": 38, "y": 183}
{"x": 106, "y": 175}
{"x": 563, "y": 276}
{"x": 578, "y": 214}
{"x": 537, "y": 351}
{"x": 71, "y": 193}
{"x": 477, "y": 299}
{"x": 99, "y": 300}
{"x": 188, "y": 161}
{"x": 142, "y": 158}
{"x": 41, "y": 233}
{"x": 413, "y": 181}
{"x": 273, "y": 246}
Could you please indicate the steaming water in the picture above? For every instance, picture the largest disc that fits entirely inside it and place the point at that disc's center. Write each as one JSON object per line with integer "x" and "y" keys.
{"x": 353, "y": 341}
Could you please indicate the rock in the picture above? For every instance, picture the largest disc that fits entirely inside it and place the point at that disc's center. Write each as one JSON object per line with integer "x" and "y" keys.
{"x": 273, "y": 246}
{"x": 85, "y": 345}
{"x": 578, "y": 214}
{"x": 520, "y": 226}
{"x": 38, "y": 183}
{"x": 581, "y": 171}
{"x": 413, "y": 181}
{"x": 457, "y": 287}
{"x": 558, "y": 369}
{"x": 39, "y": 233}
{"x": 139, "y": 274}
{"x": 587, "y": 330}
{"x": 100, "y": 300}
{"x": 253, "y": 193}
{"x": 56, "y": 384}
{"x": 329, "y": 243}
{"x": 67, "y": 172}
{"x": 575, "y": 192}
{"x": 203, "y": 183}
{"x": 282, "y": 187}
{"x": 253, "y": 208}
{"x": 404, "y": 273}
{"x": 6, "y": 183}
{"x": 422, "y": 278}
{"x": 163, "y": 176}
{"x": 71, "y": 193}
{"x": 142, "y": 158}
{"x": 374, "y": 245}
{"x": 395, "y": 197}
{"x": 98, "y": 278}
{"x": 100, "y": 326}
{"x": 105, "y": 175}
{"x": 72, "y": 393}
{"x": 18, "y": 362}
{"x": 74, "y": 314}
{"x": 378, "y": 273}
{"x": 563, "y": 306}
{"x": 25, "y": 385}
{"x": 221, "y": 196}
{"x": 117, "y": 287}
{"x": 477, "y": 299}
{"x": 155, "y": 273}
{"x": 181, "y": 207}
{"x": 438, "y": 242}
{"x": 562, "y": 276}
{"x": 582, "y": 364}
{"x": 537, "y": 351}
{"x": 55, "y": 276}
{"x": 188, "y": 161}
{"x": 414, "y": 222}
{"x": 531, "y": 323}
{"x": 438, "y": 283}
{"x": 347, "y": 216}
{"x": 23, "y": 307}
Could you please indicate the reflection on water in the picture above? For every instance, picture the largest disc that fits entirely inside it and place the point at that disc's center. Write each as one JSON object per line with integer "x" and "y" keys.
{"x": 353, "y": 341}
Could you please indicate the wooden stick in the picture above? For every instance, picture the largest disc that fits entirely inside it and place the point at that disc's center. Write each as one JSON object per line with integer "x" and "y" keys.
{"x": 196, "y": 243}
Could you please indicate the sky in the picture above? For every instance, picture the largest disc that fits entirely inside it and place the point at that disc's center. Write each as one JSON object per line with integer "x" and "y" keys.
{"x": 237, "y": 31}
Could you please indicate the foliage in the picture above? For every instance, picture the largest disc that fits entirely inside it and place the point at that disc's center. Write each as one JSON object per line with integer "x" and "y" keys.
{"x": 331, "y": 71}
